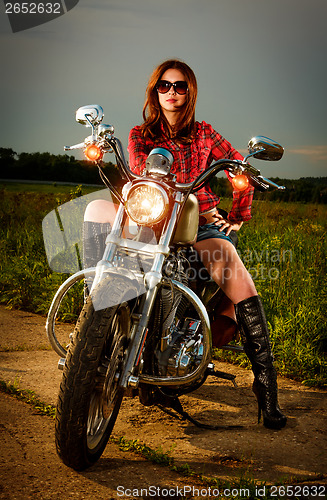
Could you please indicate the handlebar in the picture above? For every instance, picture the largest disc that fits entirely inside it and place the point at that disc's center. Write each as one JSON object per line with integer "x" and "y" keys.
{"x": 81, "y": 145}
{"x": 257, "y": 180}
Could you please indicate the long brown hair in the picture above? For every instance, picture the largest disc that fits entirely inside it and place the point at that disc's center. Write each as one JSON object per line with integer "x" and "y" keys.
{"x": 184, "y": 128}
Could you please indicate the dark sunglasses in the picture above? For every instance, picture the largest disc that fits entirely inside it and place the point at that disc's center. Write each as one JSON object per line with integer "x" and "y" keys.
{"x": 180, "y": 87}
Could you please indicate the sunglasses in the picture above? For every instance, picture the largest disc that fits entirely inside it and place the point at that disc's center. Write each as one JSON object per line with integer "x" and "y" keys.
{"x": 179, "y": 87}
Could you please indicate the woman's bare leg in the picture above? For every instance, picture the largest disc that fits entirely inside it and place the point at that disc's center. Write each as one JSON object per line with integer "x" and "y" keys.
{"x": 226, "y": 268}
{"x": 101, "y": 211}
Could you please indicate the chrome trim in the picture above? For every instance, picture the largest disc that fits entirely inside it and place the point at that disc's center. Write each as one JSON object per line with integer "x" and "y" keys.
{"x": 53, "y": 311}
{"x": 206, "y": 358}
{"x": 61, "y": 364}
{"x": 263, "y": 148}
{"x": 159, "y": 162}
{"x": 138, "y": 337}
{"x": 105, "y": 129}
{"x": 152, "y": 280}
{"x": 272, "y": 183}
{"x": 137, "y": 246}
{"x": 133, "y": 382}
{"x": 153, "y": 185}
{"x": 89, "y": 115}
{"x": 111, "y": 248}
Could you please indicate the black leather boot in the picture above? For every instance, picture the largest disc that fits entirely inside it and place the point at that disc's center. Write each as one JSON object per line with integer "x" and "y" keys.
{"x": 255, "y": 338}
{"x": 94, "y": 242}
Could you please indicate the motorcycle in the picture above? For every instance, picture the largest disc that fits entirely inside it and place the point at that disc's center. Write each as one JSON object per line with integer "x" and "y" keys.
{"x": 145, "y": 326}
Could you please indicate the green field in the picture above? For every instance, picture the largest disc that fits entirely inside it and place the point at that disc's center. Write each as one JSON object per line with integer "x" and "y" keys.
{"x": 283, "y": 246}
{"x": 54, "y": 188}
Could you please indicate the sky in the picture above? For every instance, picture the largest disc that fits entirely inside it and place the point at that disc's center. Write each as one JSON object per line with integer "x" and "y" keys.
{"x": 261, "y": 67}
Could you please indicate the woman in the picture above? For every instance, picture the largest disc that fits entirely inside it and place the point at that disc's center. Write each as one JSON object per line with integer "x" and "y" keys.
{"x": 169, "y": 121}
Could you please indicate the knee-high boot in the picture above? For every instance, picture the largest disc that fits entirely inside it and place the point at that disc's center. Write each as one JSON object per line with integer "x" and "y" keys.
{"x": 94, "y": 242}
{"x": 255, "y": 338}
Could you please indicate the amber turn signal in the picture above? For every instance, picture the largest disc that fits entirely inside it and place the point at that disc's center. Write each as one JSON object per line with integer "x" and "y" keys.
{"x": 240, "y": 182}
{"x": 93, "y": 152}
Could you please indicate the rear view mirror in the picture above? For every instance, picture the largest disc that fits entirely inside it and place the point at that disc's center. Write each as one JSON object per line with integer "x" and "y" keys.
{"x": 263, "y": 148}
{"x": 90, "y": 116}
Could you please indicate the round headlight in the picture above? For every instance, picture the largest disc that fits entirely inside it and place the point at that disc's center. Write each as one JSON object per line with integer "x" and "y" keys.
{"x": 147, "y": 203}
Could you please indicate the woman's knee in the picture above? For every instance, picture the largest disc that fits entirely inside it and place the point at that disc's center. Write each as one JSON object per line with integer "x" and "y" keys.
{"x": 100, "y": 211}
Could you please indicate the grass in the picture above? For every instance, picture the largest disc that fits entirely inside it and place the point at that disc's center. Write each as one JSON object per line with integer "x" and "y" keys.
{"x": 54, "y": 188}
{"x": 158, "y": 456}
{"x": 27, "y": 282}
{"x": 24, "y": 348}
{"x": 237, "y": 488}
{"x": 283, "y": 246}
{"x": 27, "y": 396}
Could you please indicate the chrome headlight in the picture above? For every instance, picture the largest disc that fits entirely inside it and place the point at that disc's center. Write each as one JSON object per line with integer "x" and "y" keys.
{"x": 147, "y": 203}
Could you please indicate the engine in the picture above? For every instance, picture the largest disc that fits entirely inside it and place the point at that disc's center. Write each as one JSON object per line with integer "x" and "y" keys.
{"x": 181, "y": 350}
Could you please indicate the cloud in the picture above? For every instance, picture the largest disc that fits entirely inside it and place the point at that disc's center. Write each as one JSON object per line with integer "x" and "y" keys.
{"x": 316, "y": 153}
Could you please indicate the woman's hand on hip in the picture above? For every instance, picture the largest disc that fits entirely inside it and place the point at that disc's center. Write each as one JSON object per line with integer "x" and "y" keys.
{"x": 226, "y": 224}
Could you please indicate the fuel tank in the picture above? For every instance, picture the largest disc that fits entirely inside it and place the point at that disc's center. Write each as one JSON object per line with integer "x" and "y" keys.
{"x": 187, "y": 227}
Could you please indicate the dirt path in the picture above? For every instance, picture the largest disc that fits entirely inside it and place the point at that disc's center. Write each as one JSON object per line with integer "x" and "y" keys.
{"x": 31, "y": 468}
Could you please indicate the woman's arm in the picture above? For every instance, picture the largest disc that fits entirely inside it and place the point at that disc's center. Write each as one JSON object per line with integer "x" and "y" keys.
{"x": 242, "y": 200}
{"x": 138, "y": 150}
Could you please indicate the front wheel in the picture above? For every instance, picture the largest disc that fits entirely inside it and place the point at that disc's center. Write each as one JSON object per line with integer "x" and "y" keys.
{"x": 89, "y": 397}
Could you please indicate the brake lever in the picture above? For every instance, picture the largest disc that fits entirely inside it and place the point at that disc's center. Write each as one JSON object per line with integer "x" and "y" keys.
{"x": 257, "y": 183}
{"x": 272, "y": 183}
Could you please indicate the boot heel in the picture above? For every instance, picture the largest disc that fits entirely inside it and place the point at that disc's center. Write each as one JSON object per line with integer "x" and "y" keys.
{"x": 268, "y": 406}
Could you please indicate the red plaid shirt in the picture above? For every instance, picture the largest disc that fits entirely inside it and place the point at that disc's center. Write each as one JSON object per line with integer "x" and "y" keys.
{"x": 192, "y": 159}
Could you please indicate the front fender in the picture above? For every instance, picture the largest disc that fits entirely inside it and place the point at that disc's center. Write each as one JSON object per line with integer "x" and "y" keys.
{"x": 54, "y": 308}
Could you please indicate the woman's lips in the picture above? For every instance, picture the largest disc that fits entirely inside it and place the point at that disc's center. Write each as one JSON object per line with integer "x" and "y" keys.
{"x": 171, "y": 100}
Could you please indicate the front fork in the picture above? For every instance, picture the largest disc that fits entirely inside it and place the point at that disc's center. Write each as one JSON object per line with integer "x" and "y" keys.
{"x": 137, "y": 340}
{"x": 152, "y": 281}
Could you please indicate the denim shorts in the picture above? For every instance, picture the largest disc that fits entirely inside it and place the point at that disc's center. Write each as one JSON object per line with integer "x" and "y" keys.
{"x": 211, "y": 230}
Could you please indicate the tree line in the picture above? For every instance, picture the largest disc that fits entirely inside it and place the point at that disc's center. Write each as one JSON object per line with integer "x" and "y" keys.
{"x": 305, "y": 189}
{"x": 66, "y": 168}
{"x": 52, "y": 168}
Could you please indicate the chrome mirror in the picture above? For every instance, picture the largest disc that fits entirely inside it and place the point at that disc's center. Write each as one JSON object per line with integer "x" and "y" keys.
{"x": 263, "y": 148}
{"x": 90, "y": 116}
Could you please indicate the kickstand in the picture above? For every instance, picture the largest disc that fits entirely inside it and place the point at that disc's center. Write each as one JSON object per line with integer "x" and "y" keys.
{"x": 176, "y": 405}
